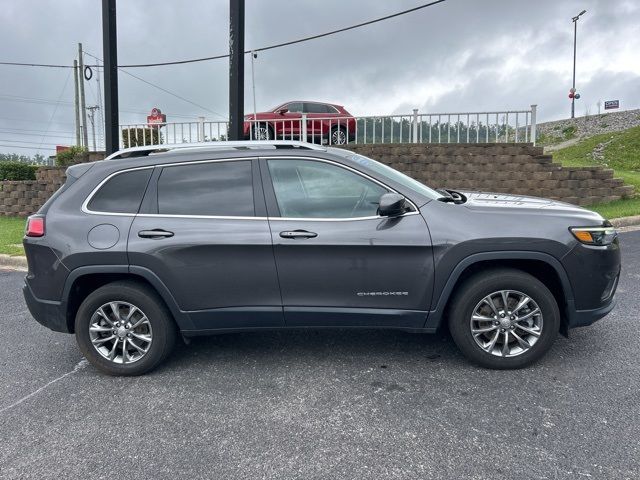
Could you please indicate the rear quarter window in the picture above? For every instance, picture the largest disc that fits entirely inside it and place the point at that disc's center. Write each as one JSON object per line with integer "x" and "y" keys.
{"x": 122, "y": 193}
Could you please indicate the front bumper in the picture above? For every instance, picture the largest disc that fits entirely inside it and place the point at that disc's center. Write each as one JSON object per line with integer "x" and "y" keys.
{"x": 49, "y": 313}
{"x": 584, "y": 318}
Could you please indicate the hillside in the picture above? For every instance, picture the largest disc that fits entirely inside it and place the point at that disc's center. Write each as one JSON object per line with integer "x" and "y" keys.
{"x": 561, "y": 133}
{"x": 619, "y": 150}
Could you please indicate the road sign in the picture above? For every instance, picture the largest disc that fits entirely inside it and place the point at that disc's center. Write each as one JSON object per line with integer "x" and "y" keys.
{"x": 156, "y": 119}
{"x": 609, "y": 104}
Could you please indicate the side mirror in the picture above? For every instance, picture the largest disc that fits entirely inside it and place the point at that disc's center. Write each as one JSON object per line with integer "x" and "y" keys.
{"x": 392, "y": 205}
{"x": 282, "y": 111}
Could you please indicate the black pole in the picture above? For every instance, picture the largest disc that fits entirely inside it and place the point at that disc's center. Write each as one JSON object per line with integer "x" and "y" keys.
{"x": 236, "y": 69}
{"x": 573, "y": 85}
{"x": 110, "y": 55}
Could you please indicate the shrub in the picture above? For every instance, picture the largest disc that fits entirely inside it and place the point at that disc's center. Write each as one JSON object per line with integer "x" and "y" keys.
{"x": 71, "y": 156}
{"x": 138, "y": 137}
{"x": 17, "y": 171}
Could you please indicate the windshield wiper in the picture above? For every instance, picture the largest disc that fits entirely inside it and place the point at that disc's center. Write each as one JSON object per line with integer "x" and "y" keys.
{"x": 451, "y": 196}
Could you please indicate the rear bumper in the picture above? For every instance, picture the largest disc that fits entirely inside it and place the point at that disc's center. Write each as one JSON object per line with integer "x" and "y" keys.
{"x": 49, "y": 313}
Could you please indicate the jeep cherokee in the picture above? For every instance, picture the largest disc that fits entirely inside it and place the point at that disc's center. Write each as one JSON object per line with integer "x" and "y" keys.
{"x": 152, "y": 243}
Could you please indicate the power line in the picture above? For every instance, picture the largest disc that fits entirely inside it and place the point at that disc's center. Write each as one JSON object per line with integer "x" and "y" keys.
{"x": 261, "y": 49}
{"x": 29, "y": 148}
{"x": 55, "y": 110}
{"x": 161, "y": 88}
{"x": 46, "y": 101}
{"x": 24, "y": 142}
{"x": 19, "y": 134}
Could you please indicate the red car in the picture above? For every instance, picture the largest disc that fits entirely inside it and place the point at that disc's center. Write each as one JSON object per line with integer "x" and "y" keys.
{"x": 326, "y": 123}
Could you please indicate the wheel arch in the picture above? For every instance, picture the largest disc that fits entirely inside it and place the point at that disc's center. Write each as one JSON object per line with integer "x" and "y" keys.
{"x": 84, "y": 280}
{"x": 544, "y": 267}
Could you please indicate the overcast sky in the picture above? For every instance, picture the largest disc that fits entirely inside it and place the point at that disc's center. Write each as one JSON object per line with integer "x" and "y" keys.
{"x": 461, "y": 55}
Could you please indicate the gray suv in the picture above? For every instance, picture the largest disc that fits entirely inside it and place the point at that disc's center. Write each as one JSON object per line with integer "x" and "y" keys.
{"x": 198, "y": 239}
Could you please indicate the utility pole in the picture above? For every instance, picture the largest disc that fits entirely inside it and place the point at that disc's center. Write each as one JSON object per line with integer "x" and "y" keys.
{"x": 85, "y": 140}
{"x": 236, "y": 69}
{"x": 92, "y": 112}
{"x": 110, "y": 56}
{"x": 100, "y": 107}
{"x": 76, "y": 101}
{"x": 599, "y": 103}
{"x": 575, "y": 35}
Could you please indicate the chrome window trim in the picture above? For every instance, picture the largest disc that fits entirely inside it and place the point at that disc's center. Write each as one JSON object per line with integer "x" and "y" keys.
{"x": 85, "y": 204}
{"x": 86, "y": 210}
{"x": 357, "y": 172}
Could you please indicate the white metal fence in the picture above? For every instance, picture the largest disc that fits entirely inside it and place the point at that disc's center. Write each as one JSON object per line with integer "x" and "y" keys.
{"x": 515, "y": 126}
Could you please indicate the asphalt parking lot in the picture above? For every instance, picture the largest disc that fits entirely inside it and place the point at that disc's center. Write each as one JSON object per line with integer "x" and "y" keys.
{"x": 324, "y": 404}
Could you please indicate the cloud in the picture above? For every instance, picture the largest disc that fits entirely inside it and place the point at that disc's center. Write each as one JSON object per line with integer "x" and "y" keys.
{"x": 462, "y": 55}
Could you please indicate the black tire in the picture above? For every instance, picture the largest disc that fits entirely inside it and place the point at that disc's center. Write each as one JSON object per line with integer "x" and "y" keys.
{"x": 479, "y": 286}
{"x": 144, "y": 298}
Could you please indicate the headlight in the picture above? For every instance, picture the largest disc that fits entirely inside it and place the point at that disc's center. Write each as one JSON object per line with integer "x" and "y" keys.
{"x": 595, "y": 235}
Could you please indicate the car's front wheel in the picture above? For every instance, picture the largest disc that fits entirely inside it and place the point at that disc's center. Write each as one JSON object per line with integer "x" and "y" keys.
{"x": 504, "y": 319}
{"x": 124, "y": 328}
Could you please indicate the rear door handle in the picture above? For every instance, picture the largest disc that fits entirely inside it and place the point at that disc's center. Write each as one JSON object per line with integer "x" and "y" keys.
{"x": 156, "y": 233}
{"x": 298, "y": 234}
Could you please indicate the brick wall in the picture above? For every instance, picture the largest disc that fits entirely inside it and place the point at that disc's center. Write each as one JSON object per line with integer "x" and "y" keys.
{"x": 503, "y": 168}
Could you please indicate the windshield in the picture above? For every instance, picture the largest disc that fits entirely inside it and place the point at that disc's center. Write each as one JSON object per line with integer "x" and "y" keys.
{"x": 389, "y": 173}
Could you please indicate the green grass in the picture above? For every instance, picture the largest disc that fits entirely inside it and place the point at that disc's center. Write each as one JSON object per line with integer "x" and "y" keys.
{"x": 621, "y": 152}
{"x": 619, "y": 208}
{"x": 11, "y": 233}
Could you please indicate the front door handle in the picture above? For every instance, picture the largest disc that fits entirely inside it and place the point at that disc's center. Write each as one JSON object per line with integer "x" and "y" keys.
{"x": 156, "y": 233}
{"x": 298, "y": 234}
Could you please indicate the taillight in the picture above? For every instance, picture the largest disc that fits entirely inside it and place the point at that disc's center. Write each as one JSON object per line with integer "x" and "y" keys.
{"x": 35, "y": 227}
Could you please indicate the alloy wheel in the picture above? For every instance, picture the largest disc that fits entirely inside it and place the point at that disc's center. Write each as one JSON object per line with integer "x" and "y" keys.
{"x": 338, "y": 137}
{"x": 120, "y": 332}
{"x": 506, "y": 323}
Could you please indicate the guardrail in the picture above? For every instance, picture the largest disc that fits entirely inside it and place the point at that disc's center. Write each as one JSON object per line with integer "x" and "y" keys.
{"x": 459, "y": 127}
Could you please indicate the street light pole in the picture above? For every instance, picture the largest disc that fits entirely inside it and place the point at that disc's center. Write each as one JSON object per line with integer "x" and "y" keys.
{"x": 254, "y": 55}
{"x": 575, "y": 35}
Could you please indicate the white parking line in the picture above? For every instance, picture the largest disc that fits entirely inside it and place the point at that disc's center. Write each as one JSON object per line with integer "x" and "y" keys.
{"x": 80, "y": 365}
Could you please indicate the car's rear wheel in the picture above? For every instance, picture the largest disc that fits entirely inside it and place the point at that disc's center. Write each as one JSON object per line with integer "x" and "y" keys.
{"x": 262, "y": 131}
{"x": 124, "y": 328}
{"x": 338, "y": 136}
{"x": 504, "y": 319}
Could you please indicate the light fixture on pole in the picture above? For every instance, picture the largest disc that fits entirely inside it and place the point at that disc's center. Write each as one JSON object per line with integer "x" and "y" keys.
{"x": 254, "y": 55}
{"x": 573, "y": 95}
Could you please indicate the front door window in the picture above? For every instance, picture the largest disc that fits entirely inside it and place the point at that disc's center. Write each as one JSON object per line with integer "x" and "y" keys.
{"x": 313, "y": 189}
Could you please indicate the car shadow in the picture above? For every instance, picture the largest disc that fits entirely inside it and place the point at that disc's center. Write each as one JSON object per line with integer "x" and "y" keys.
{"x": 309, "y": 345}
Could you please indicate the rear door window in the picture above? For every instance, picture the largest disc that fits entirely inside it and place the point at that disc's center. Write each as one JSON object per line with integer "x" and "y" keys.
{"x": 211, "y": 189}
{"x": 315, "y": 108}
{"x": 122, "y": 193}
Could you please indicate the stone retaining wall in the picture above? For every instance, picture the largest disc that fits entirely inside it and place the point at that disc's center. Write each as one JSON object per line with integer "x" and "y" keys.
{"x": 22, "y": 198}
{"x": 503, "y": 168}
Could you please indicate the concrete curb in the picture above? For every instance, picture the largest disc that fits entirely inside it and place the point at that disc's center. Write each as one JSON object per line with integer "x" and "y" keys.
{"x": 626, "y": 221}
{"x": 15, "y": 262}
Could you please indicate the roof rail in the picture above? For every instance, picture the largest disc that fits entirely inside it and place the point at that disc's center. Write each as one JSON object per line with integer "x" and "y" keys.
{"x": 243, "y": 144}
